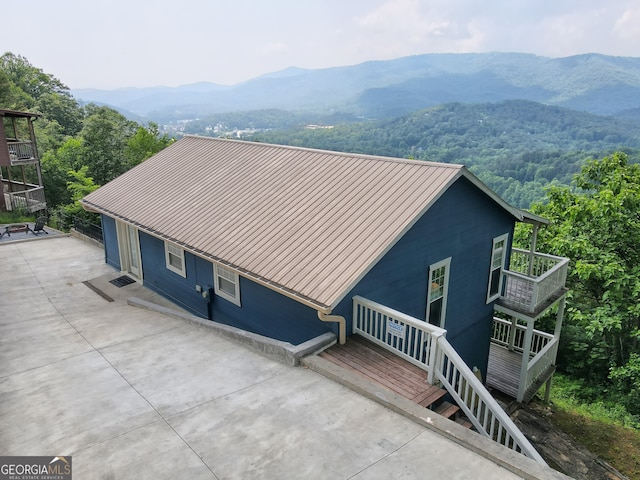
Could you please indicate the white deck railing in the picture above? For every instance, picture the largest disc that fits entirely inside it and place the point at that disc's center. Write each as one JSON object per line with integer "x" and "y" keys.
{"x": 532, "y": 279}
{"x": 21, "y": 152}
{"x": 544, "y": 359}
{"x": 543, "y": 353}
{"x": 502, "y": 335}
{"x": 426, "y": 346}
{"x": 410, "y": 338}
{"x": 484, "y": 412}
{"x": 32, "y": 200}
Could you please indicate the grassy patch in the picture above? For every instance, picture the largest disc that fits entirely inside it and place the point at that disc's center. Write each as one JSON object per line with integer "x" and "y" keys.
{"x": 617, "y": 445}
{"x": 16, "y": 217}
{"x": 606, "y": 429}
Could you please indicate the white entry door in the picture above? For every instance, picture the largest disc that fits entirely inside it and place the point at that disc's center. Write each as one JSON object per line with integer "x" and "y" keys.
{"x": 129, "y": 244}
{"x": 134, "y": 251}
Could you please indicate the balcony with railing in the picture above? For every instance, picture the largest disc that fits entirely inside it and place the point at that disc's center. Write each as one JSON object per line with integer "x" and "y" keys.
{"x": 533, "y": 282}
{"x": 21, "y": 152}
{"x": 522, "y": 358}
{"x": 508, "y": 371}
{"x": 426, "y": 346}
{"x": 19, "y": 196}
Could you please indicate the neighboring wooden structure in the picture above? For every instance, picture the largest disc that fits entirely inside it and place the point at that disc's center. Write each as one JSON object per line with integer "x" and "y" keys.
{"x": 18, "y": 150}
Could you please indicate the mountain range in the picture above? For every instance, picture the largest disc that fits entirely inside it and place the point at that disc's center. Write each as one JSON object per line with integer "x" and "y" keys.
{"x": 594, "y": 83}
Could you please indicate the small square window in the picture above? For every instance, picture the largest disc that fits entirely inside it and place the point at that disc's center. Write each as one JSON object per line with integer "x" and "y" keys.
{"x": 174, "y": 257}
{"x": 227, "y": 284}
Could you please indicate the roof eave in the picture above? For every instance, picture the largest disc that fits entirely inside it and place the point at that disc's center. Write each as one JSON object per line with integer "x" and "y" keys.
{"x": 519, "y": 214}
{"x": 309, "y": 302}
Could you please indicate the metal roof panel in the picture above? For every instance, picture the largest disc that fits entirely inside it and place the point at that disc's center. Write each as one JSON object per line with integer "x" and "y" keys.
{"x": 309, "y": 222}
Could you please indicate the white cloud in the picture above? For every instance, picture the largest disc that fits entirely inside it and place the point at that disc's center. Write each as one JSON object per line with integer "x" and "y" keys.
{"x": 275, "y": 47}
{"x": 627, "y": 26}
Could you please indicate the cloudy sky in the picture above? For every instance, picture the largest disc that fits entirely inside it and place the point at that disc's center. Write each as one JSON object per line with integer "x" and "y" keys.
{"x": 124, "y": 43}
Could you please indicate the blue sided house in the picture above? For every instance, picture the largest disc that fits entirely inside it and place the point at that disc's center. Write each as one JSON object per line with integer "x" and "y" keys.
{"x": 290, "y": 242}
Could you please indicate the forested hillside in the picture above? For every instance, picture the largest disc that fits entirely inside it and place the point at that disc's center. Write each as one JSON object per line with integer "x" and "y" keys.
{"x": 81, "y": 147}
{"x": 517, "y": 147}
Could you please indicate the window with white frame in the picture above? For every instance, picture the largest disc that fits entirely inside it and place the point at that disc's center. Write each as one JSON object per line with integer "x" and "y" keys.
{"x": 498, "y": 256}
{"x": 227, "y": 284}
{"x": 174, "y": 258}
{"x": 437, "y": 292}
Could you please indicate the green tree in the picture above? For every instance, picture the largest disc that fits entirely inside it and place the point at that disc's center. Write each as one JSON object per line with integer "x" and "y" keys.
{"x": 597, "y": 225}
{"x": 5, "y": 90}
{"x": 79, "y": 186}
{"x": 56, "y": 165}
{"x": 29, "y": 79}
{"x": 145, "y": 142}
{"x": 104, "y": 135}
{"x": 62, "y": 109}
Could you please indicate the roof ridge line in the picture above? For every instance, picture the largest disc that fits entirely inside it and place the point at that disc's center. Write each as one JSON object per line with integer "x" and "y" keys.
{"x": 381, "y": 158}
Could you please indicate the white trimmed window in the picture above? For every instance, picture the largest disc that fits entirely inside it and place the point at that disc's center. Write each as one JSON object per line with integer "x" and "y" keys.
{"x": 437, "y": 292}
{"x": 498, "y": 256}
{"x": 174, "y": 257}
{"x": 227, "y": 284}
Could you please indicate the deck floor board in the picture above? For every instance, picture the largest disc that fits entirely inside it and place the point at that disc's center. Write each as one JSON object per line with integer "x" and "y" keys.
{"x": 503, "y": 370}
{"x": 385, "y": 368}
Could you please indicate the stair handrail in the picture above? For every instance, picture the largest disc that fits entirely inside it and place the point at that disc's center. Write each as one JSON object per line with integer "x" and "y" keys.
{"x": 484, "y": 412}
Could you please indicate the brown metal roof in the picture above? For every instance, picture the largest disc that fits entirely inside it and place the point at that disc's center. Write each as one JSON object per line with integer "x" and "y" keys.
{"x": 309, "y": 223}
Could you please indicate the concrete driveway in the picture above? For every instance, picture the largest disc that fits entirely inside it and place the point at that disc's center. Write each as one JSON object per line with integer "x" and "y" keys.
{"x": 132, "y": 393}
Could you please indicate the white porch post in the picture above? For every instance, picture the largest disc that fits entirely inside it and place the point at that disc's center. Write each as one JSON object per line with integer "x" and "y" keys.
{"x": 532, "y": 251}
{"x": 559, "y": 318}
{"x": 556, "y": 333}
{"x": 512, "y": 333}
{"x": 526, "y": 350}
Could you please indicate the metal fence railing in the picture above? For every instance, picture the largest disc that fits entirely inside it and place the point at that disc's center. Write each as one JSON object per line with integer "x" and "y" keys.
{"x": 87, "y": 228}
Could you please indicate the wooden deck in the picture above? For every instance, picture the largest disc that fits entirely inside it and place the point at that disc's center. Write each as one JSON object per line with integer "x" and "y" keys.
{"x": 503, "y": 373}
{"x": 390, "y": 371}
{"x": 503, "y": 370}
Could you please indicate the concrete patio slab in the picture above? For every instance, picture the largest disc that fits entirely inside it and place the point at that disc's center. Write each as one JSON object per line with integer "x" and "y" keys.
{"x": 255, "y": 436}
{"x": 26, "y": 304}
{"x": 160, "y": 455}
{"x": 203, "y": 367}
{"x": 117, "y": 324}
{"x": 26, "y": 347}
{"x": 68, "y": 405}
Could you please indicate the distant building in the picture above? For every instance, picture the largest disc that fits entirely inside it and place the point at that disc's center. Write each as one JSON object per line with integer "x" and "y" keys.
{"x": 316, "y": 127}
